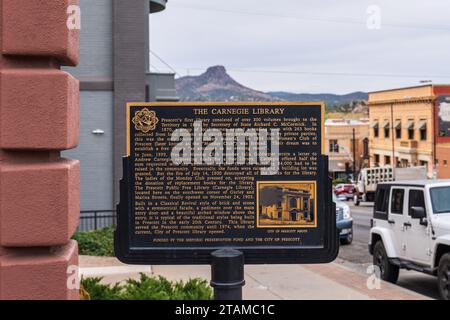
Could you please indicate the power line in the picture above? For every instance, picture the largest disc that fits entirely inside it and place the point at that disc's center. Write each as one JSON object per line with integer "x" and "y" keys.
{"x": 156, "y": 69}
{"x": 165, "y": 63}
{"x": 311, "y": 18}
{"x": 344, "y": 74}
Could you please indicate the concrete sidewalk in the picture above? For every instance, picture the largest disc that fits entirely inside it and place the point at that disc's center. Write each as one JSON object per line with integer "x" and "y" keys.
{"x": 266, "y": 282}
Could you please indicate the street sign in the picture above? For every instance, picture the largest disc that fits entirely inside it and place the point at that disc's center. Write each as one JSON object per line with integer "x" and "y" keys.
{"x": 204, "y": 176}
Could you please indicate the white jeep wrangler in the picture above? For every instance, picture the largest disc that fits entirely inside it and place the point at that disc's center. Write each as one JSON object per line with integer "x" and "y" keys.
{"x": 411, "y": 230}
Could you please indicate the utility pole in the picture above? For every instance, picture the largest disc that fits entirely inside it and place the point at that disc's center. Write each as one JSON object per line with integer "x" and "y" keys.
{"x": 393, "y": 138}
{"x": 354, "y": 154}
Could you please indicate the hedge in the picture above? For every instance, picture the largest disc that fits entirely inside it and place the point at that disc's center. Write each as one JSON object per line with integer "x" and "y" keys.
{"x": 146, "y": 288}
{"x": 96, "y": 243}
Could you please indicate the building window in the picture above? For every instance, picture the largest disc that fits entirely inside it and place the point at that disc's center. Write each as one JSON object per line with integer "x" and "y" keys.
{"x": 422, "y": 126}
{"x": 375, "y": 127}
{"x": 445, "y": 163}
{"x": 410, "y": 128}
{"x": 387, "y": 160}
{"x": 377, "y": 159}
{"x": 398, "y": 129}
{"x": 424, "y": 164}
{"x": 334, "y": 146}
{"x": 386, "y": 128}
{"x": 366, "y": 148}
{"x": 423, "y": 134}
{"x": 404, "y": 163}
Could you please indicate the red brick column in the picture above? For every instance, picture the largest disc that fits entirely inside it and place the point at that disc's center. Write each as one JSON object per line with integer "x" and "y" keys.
{"x": 39, "y": 117}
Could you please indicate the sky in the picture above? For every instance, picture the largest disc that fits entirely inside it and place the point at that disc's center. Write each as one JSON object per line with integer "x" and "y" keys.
{"x": 307, "y": 46}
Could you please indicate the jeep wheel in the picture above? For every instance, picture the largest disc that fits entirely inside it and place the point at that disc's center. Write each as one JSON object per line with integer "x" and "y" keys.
{"x": 444, "y": 277}
{"x": 356, "y": 200}
{"x": 388, "y": 271}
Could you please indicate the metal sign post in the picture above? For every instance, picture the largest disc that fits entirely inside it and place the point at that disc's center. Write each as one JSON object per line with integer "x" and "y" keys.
{"x": 227, "y": 274}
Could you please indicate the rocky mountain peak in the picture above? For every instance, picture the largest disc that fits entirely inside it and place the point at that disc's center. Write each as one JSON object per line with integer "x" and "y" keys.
{"x": 217, "y": 85}
{"x": 218, "y": 75}
{"x": 216, "y": 72}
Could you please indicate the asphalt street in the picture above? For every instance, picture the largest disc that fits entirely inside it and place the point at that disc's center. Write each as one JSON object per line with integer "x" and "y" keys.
{"x": 356, "y": 255}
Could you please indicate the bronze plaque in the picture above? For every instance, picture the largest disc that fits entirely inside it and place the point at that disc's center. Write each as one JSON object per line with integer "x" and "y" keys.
{"x": 203, "y": 176}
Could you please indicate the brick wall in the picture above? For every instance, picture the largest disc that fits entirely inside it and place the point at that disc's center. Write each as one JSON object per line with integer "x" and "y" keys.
{"x": 443, "y": 159}
{"x": 404, "y": 112}
{"x": 39, "y": 117}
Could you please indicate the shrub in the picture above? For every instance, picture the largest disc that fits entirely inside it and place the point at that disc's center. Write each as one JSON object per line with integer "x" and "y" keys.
{"x": 96, "y": 243}
{"x": 94, "y": 290}
{"x": 147, "y": 288}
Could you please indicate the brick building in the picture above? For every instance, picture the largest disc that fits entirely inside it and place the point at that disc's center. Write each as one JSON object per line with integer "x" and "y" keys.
{"x": 339, "y": 145}
{"x": 113, "y": 70}
{"x": 411, "y": 127}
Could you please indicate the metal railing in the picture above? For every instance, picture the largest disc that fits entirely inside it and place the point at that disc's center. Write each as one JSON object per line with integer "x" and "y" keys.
{"x": 97, "y": 219}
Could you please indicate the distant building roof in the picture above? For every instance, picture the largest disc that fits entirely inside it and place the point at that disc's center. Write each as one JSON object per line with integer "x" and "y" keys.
{"x": 345, "y": 122}
{"x": 412, "y": 87}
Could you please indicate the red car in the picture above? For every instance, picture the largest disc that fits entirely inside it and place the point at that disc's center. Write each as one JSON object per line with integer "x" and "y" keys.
{"x": 346, "y": 190}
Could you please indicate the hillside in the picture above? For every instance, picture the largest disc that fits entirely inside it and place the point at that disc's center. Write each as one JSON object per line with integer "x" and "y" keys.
{"x": 217, "y": 85}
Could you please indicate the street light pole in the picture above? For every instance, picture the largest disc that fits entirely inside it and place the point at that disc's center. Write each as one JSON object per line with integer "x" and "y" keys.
{"x": 393, "y": 138}
{"x": 354, "y": 154}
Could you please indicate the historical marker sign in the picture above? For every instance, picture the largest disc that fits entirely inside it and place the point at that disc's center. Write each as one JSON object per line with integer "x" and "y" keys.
{"x": 203, "y": 176}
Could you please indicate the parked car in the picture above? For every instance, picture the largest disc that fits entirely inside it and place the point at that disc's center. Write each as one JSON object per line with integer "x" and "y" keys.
{"x": 344, "y": 191}
{"x": 344, "y": 221}
{"x": 411, "y": 230}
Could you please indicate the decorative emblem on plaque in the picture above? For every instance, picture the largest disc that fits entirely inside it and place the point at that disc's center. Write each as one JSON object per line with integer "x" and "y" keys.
{"x": 145, "y": 120}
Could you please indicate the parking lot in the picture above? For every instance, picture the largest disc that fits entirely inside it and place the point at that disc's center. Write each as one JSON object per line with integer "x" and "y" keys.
{"x": 356, "y": 255}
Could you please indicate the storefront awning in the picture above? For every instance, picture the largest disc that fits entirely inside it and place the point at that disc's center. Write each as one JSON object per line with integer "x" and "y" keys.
{"x": 398, "y": 124}
{"x": 421, "y": 125}
{"x": 374, "y": 125}
{"x": 386, "y": 124}
{"x": 410, "y": 124}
